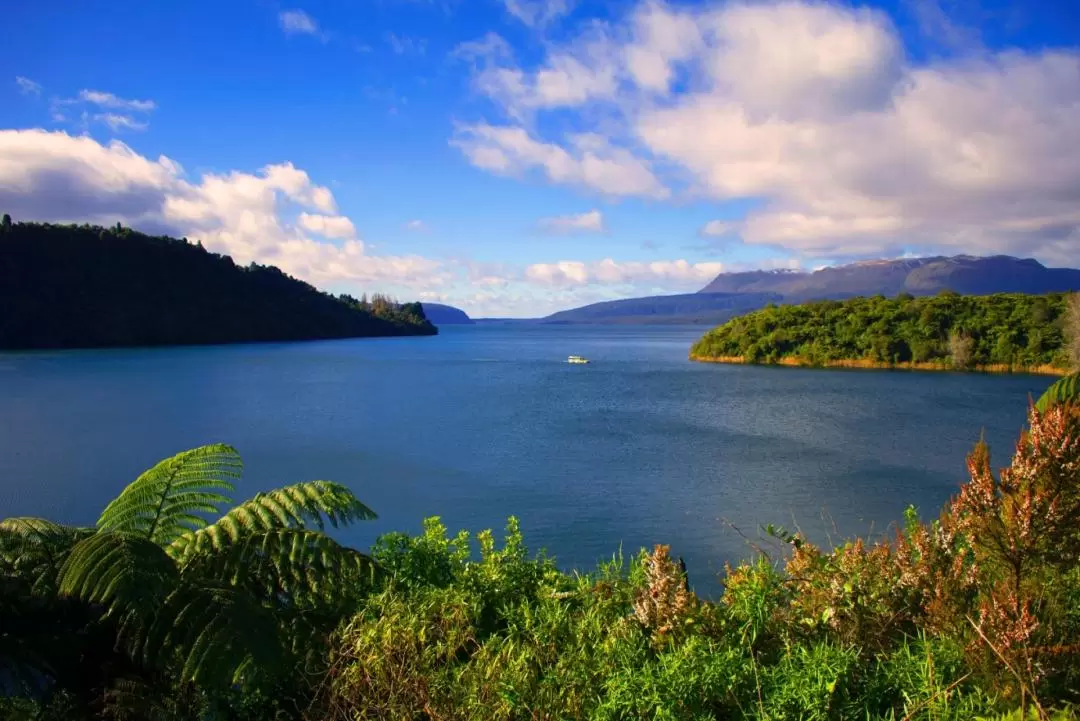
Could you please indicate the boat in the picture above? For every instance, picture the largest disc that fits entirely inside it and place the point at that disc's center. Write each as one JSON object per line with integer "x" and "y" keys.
{"x": 577, "y": 359}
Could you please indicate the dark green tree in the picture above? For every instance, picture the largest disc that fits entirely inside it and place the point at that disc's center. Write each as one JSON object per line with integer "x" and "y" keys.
{"x": 84, "y": 286}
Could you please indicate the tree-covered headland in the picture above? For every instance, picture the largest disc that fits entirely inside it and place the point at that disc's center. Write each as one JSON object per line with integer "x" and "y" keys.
{"x": 1003, "y": 332}
{"x": 78, "y": 286}
{"x": 180, "y": 605}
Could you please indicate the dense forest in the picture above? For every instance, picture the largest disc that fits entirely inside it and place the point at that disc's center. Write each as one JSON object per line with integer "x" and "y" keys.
{"x": 178, "y": 605}
{"x": 1003, "y": 331}
{"x": 69, "y": 286}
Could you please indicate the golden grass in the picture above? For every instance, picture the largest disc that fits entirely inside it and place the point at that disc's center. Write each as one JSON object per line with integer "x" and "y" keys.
{"x": 879, "y": 365}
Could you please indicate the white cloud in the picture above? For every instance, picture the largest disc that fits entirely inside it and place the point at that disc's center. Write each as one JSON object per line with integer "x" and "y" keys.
{"x": 590, "y": 162}
{"x": 298, "y": 22}
{"x": 402, "y": 45}
{"x": 490, "y": 48}
{"x": 27, "y": 86}
{"x": 672, "y": 274}
{"x": 812, "y": 111}
{"x": 328, "y": 226}
{"x": 538, "y": 13}
{"x": 590, "y": 222}
{"x": 569, "y": 77}
{"x": 718, "y": 228}
{"x": 108, "y": 100}
{"x": 62, "y": 178}
{"x": 118, "y": 113}
{"x": 416, "y": 226}
{"x": 120, "y": 122}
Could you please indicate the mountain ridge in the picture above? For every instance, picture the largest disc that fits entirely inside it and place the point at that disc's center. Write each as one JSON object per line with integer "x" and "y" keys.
{"x": 963, "y": 274}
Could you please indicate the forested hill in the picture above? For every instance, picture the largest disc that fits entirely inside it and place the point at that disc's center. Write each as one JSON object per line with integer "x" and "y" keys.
{"x": 67, "y": 286}
{"x": 440, "y": 314}
{"x": 950, "y": 331}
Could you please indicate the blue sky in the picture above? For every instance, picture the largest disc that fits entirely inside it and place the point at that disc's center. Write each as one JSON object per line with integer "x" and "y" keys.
{"x": 515, "y": 157}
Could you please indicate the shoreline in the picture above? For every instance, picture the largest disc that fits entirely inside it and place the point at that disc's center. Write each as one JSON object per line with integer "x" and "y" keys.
{"x": 863, "y": 364}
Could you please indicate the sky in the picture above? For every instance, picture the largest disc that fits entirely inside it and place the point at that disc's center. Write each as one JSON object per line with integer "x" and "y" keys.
{"x": 517, "y": 157}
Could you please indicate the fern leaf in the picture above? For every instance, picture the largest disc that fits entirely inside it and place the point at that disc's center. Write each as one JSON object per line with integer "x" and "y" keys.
{"x": 221, "y": 636}
{"x": 1065, "y": 390}
{"x": 300, "y": 505}
{"x": 292, "y": 566}
{"x": 165, "y": 501}
{"x": 32, "y": 551}
{"x": 123, "y": 571}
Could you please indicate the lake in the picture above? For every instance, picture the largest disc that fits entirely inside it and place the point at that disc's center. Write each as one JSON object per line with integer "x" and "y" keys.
{"x": 482, "y": 422}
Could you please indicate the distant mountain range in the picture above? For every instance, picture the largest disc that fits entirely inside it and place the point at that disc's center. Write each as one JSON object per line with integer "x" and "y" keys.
{"x": 965, "y": 274}
{"x": 731, "y": 294}
{"x": 687, "y": 308}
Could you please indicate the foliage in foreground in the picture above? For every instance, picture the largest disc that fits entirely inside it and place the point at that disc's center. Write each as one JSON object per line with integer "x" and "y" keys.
{"x": 1006, "y": 330}
{"x": 157, "y": 596}
{"x": 973, "y": 615}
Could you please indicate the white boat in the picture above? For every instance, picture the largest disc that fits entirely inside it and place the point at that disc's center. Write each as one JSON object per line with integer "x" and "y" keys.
{"x": 577, "y": 359}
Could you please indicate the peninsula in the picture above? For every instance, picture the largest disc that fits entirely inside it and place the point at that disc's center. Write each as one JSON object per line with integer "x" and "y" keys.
{"x": 1005, "y": 332}
{"x": 82, "y": 286}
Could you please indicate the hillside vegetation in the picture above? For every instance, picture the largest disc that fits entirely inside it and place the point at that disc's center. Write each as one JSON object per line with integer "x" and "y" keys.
{"x": 179, "y": 605}
{"x": 949, "y": 331}
{"x": 68, "y": 286}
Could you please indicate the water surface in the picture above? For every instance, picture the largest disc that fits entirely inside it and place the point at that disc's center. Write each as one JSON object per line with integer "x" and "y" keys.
{"x": 483, "y": 422}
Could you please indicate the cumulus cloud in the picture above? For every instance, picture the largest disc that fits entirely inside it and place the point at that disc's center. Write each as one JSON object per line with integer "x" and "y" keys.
{"x": 674, "y": 274}
{"x": 590, "y": 222}
{"x": 328, "y": 226}
{"x": 538, "y": 13}
{"x": 298, "y": 22}
{"x": 811, "y": 110}
{"x": 589, "y": 161}
{"x": 416, "y": 226}
{"x": 62, "y": 178}
{"x": 27, "y": 86}
{"x": 569, "y": 76}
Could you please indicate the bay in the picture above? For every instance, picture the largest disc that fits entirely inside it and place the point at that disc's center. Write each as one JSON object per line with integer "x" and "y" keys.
{"x": 482, "y": 422}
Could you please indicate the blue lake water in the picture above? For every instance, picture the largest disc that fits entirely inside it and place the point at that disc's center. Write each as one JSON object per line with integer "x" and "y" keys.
{"x": 483, "y": 422}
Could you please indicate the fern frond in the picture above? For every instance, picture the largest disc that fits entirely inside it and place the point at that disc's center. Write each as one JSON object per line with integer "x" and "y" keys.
{"x": 292, "y": 567}
{"x": 300, "y": 505}
{"x": 133, "y": 699}
{"x": 124, "y": 571}
{"x": 166, "y": 501}
{"x": 219, "y": 636}
{"x": 32, "y": 551}
{"x": 1064, "y": 390}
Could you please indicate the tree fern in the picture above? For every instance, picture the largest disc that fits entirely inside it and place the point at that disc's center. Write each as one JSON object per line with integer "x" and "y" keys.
{"x": 297, "y": 506}
{"x": 166, "y": 501}
{"x": 287, "y": 567}
{"x": 123, "y": 571}
{"x": 211, "y": 603}
{"x": 220, "y": 636}
{"x": 33, "y": 550}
